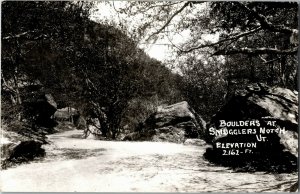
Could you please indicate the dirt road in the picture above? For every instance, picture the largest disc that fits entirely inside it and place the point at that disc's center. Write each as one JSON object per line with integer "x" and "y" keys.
{"x": 76, "y": 164}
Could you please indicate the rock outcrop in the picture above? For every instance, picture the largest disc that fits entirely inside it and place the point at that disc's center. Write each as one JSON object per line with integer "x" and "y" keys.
{"x": 173, "y": 123}
{"x": 66, "y": 114}
{"x": 71, "y": 115}
{"x": 196, "y": 142}
{"x": 256, "y": 130}
{"x": 45, "y": 107}
{"x": 40, "y": 107}
{"x": 34, "y": 104}
{"x": 25, "y": 131}
{"x": 18, "y": 148}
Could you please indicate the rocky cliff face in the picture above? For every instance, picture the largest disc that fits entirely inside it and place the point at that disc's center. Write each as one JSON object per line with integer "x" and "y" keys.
{"x": 256, "y": 130}
{"x": 173, "y": 123}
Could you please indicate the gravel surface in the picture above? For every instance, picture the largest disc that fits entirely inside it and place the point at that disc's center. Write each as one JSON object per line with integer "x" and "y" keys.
{"x": 88, "y": 165}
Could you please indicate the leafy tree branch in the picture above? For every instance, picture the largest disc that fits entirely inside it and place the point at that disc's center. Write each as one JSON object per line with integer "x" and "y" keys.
{"x": 257, "y": 51}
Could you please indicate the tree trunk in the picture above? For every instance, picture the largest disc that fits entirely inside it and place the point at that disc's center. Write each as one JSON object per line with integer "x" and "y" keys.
{"x": 252, "y": 71}
{"x": 18, "y": 96}
{"x": 283, "y": 71}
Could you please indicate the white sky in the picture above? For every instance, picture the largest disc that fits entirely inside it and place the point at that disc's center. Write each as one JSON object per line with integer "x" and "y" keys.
{"x": 159, "y": 50}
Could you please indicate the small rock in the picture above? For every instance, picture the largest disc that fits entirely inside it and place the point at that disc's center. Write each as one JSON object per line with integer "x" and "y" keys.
{"x": 197, "y": 142}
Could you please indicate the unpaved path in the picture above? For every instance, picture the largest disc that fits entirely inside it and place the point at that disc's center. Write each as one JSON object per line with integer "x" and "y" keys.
{"x": 76, "y": 164}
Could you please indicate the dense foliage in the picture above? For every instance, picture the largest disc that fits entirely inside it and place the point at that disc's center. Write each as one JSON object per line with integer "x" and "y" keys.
{"x": 93, "y": 67}
{"x": 225, "y": 45}
{"x": 54, "y": 48}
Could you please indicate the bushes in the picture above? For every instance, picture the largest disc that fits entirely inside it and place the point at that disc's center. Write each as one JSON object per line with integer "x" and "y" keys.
{"x": 138, "y": 110}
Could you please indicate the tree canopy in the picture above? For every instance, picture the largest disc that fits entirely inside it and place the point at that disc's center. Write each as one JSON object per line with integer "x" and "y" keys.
{"x": 93, "y": 67}
{"x": 99, "y": 68}
{"x": 234, "y": 22}
{"x": 228, "y": 44}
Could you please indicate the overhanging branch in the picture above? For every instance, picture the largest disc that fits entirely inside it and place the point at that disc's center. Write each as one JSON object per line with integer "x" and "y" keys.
{"x": 29, "y": 35}
{"x": 265, "y": 23}
{"x": 168, "y": 21}
{"x": 270, "y": 61}
{"x": 171, "y": 18}
{"x": 257, "y": 51}
{"x": 236, "y": 37}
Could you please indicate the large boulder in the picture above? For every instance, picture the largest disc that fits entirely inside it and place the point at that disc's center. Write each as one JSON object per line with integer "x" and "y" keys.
{"x": 41, "y": 107}
{"x": 46, "y": 106}
{"x": 173, "y": 123}
{"x": 67, "y": 114}
{"x": 71, "y": 115}
{"x": 36, "y": 106}
{"x": 19, "y": 148}
{"x": 256, "y": 130}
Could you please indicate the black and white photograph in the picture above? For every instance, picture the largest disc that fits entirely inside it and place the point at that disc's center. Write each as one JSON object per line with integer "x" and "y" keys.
{"x": 149, "y": 96}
